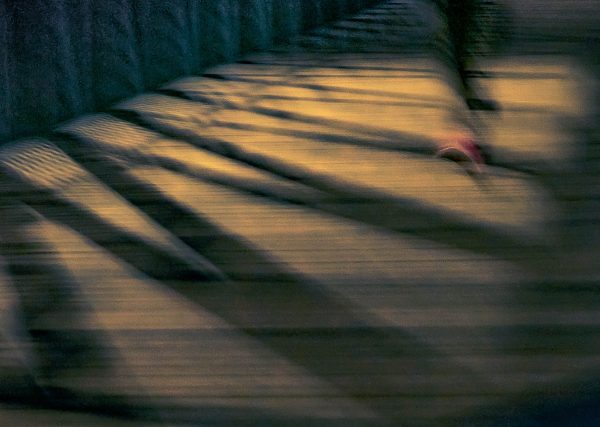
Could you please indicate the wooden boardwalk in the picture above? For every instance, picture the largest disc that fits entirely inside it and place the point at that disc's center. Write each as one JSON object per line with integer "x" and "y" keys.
{"x": 274, "y": 243}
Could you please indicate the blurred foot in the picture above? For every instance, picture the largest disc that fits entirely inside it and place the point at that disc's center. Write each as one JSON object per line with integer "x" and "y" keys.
{"x": 462, "y": 149}
{"x": 24, "y": 391}
{"x": 479, "y": 104}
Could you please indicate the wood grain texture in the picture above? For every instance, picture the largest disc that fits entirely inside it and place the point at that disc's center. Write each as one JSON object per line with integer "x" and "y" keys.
{"x": 275, "y": 243}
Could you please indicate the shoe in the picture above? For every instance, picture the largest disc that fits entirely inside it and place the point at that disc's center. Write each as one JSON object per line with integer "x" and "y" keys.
{"x": 463, "y": 149}
{"x": 479, "y": 104}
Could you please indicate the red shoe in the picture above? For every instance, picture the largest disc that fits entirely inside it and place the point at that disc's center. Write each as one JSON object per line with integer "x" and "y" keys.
{"x": 463, "y": 150}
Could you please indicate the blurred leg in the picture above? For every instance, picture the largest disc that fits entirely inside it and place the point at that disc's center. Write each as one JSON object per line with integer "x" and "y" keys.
{"x": 52, "y": 321}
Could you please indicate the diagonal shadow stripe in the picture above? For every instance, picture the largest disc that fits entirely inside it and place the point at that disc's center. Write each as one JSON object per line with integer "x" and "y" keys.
{"x": 198, "y": 96}
{"x": 405, "y": 215}
{"x": 306, "y": 64}
{"x": 274, "y": 188}
{"x": 60, "y": 327}
{"x": 290, "y": 314}
{"x": 402, "y": 139}
{"x": 408, "y": 143}
{"x": 152, "y": 260}
{"x": 401, "y": 97}
{"x": 380, "y": 139}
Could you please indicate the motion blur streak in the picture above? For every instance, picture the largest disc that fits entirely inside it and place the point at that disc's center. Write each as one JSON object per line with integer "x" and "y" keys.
{"x": 273, "y": 241}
